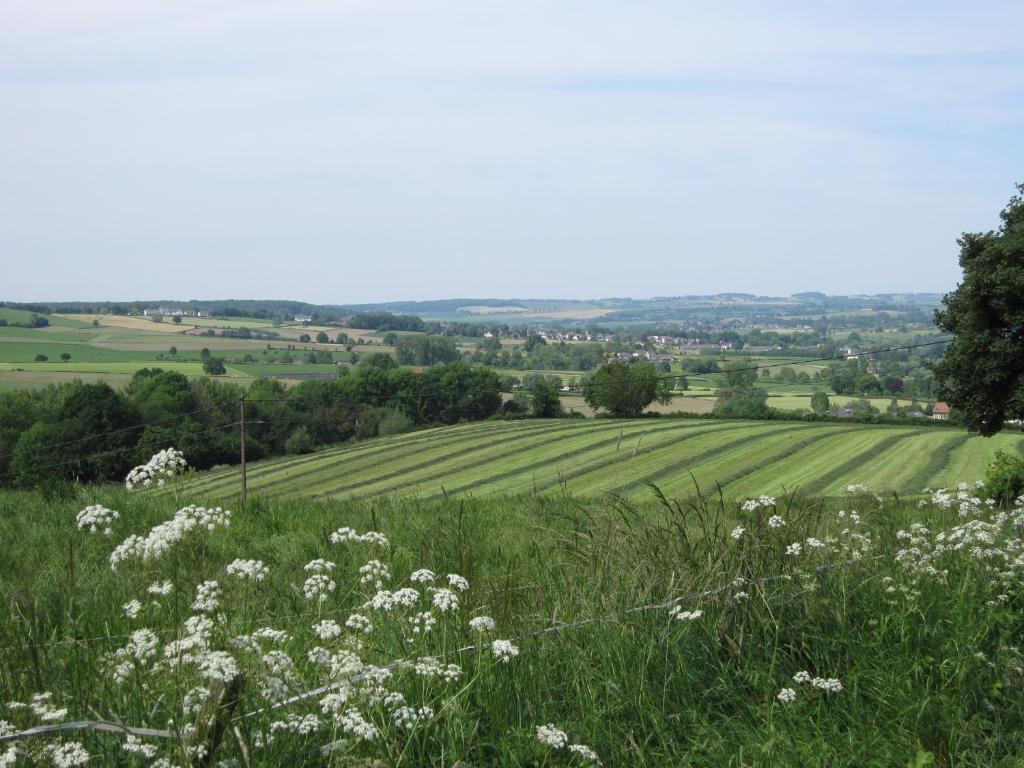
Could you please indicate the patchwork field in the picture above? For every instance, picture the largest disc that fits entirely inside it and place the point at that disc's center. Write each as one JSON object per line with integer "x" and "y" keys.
{"x": 594, "y": 457}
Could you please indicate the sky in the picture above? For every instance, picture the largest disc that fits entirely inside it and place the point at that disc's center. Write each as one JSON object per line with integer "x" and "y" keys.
{"x": 352, "y": 151}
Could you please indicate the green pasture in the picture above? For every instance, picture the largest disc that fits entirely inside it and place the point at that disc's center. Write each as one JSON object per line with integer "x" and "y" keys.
{"x": 596, "y": 456}
{"x": 21, "y": 316}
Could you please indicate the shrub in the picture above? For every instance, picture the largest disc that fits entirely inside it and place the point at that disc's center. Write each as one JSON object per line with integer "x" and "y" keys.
{"x": 393, "y": 422}
{"x": 1004, "y": 478}
{"x": 300, "y": 441}
{"x": 41, "y": 358}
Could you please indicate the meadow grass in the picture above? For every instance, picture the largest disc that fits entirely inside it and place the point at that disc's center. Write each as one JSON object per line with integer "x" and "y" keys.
{"x": 653, "y": 632}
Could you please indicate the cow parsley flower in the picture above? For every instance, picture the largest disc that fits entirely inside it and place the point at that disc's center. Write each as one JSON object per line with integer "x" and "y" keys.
{"x": 375, "y": 573}
{"x": 457, "y": 582}
{"x": 504, "y": 651}
{"x": 327, "y": 629}
{"x": 162, "y": 466}
{"x": 737, "y": 533}
{"x": 551, "y": 736}
{"x": 794, "y": 549}
{"x": 254, "y": 570}
{"x": 445, "y": 600}
{"x": 132, "y": 609}
{"x": 359, "y": 623}
{"x": 429, "y": 666}
{"x": 67, "y": 755}
{"x": 134, "y": 745}
{"x": 342, "y": 535}
{"x": 422, "y": 622}
{"x": 786, "y": 695}
{"x": 827, "y": 684}
{"x": 318, "y": 587}
{"x": 408, "y": 718}
{"x": 319, "y": 566}
{"x": 423, "y": 575}
{"x": 680, "y": 615}
{"x": 97, "y": 519}
{"x": 218, "y": 665}
{"x": 162, "y": 537}
{"x": 41, "y": 707}
{"x": 482, "y": 624}
{"x": 160, "y": 588}
{"x": 352, "y": 722}
{"x": 585, "y": 752}
{"x": 802, "y": 677}
{"x": 207, "y": 597}
{"x": 776, "y": 521}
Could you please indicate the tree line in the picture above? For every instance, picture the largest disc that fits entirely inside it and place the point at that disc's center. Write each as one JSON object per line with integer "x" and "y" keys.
{"x": 91, "y": 432}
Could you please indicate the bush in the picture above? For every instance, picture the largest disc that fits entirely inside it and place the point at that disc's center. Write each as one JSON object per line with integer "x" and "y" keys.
{"x": 1004, "y": 478}
{"x": 300, "y": 441}
{"x": 41, "y": 358}
{"x": 393, "y": 422}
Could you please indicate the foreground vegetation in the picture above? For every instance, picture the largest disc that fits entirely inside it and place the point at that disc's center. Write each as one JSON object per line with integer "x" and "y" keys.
{"x": 780, "y": 631}
{"x": 596, "y": 456}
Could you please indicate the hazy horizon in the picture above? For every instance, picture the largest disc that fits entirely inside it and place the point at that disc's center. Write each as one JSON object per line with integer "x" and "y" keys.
{"x": 364, "y": 152}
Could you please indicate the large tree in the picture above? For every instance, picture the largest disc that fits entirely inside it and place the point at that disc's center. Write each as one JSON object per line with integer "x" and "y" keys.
{"x": 626, "y": 389}
{"x": 982, "y": 372}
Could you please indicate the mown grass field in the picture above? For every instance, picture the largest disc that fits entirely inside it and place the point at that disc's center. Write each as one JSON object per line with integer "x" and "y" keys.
{"x": 597, "y": 456}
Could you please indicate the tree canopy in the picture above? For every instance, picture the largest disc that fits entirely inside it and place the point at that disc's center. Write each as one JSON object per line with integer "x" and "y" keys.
{"x": 626, "y": 389}
{"x": 982, "y": 372}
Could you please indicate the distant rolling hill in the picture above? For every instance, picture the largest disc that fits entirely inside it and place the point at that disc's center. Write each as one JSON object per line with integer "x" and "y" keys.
{"x": 593, "y": 457}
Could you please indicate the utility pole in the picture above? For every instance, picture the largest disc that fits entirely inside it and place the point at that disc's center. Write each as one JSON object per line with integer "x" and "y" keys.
{"x": 241, "y": 443}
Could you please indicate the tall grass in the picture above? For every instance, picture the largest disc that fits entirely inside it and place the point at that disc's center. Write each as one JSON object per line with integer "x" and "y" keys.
{"x": 921, "y": 635}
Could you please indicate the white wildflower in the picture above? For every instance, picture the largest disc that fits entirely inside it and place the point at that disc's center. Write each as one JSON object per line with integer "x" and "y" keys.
{"x": 318, "y": 587}
{"x": 457, "y": 582}
{"x": 428, "y": 666}
{"x": 737, "y": 533}
{"x": 207, "y": 597}
{"x": 132, "y": 609}
{"x": 162, "y": 537}
{"x": 786, "y": 695}
{"x": 802, "y": 677}
{"x": 354, "y": 723}
{"x": 482, "y": 624}
{"x": 163, "y": 465}
{"x": 551, "y": 736}
{"x": 359, "y": 623}
{"x": 504, "y": 651}
{"x": 375, "y": 573}
{"x": 135, "y": 746}
{"x": 408, "y": 718}
{"x": 776, "y": 521}
{"x": 680, "y": 615}
{"x": 327, "y": 629}
{"x": 827, "y": 684}
{"x": 422, "y": 622}
{"x": 445, "y": 600}
{"x": 160, "y": 588}
{"x": 585, "y": 752}
{"x": 319, "y": 566}
{"x": 253, "y": 570}
{"x": 67, "y": 755}
{"x": 423, "y": 575}
{"x": 794, "y": 549}
{"x": 218, "y": 665}
{"x": 97, "y": 519}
